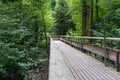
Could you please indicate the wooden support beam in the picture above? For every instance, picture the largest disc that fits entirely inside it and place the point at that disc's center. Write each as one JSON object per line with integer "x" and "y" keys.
{"x": 118, "y": 61}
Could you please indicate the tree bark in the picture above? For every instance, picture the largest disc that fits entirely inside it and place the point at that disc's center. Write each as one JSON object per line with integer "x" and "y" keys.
{"x": 36, "y": 29}
{"x": 97, "y": 12}
{"x": 44, "y": 27}
{"x": 90, "y": 18}
{"x": 84, "y": 17}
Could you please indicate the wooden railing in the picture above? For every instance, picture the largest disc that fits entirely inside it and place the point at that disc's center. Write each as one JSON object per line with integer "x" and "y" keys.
{"x": 91, "y": 47}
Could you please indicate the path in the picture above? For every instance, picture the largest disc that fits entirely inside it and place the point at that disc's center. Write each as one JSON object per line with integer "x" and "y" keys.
{"x": 67, "y": 63}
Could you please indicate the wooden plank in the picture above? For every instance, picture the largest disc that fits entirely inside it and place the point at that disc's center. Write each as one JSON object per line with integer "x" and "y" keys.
{"x": 85, "y": 67}
{"x": 58, "y": 69}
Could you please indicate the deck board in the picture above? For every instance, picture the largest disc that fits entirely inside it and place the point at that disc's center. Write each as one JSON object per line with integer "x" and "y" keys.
{"x": 58, "y": 69}
{"x": 80, "y": 65}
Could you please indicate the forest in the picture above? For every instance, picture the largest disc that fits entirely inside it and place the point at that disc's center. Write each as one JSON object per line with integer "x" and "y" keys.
{"x": 26, "y": 25}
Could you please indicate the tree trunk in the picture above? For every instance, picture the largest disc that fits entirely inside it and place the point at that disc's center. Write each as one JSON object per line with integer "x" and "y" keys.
{"x": 97, "y": 12}
{"x": 84, "y": 17}
{"x": 44, "y": 27}
{"x": 36, "y": 29}
{"x": 90, "y": 19}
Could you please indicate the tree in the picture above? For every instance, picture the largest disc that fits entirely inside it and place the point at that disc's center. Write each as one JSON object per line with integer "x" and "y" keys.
{"x": 63, "y": 20}
{"x": 84, "y": 18}
{"x": 43, "y": 25}
{"x": 97, "y": 11}
{"x": 36, "y": 28}
{"x": 90, "y": 18}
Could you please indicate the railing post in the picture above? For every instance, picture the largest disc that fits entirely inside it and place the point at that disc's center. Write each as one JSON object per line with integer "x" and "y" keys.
{"x": 94, "y": 41}
{"x": 82, "y": 48}
{"x": 118, "y": 61}
{"x": 111, "y": 44}
{"x": 101, "y": 42}
{"x": 78, "y": 39}
{"x": 106, "y": 53}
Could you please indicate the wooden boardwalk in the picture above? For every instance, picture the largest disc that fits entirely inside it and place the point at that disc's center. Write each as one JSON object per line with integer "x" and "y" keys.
{"x": 67, "y": 63}
{"x": 58, "y": 69}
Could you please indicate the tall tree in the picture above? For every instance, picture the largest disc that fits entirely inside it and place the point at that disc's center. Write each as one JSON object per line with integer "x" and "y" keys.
{"x": 43, "y": 23}
{"x": 62, "y": 17}
{"x": 97, "y": 13}
{"x": 84, "y": 17}
{"x": 90, "y": 18}
{"x": 36, "y": 28}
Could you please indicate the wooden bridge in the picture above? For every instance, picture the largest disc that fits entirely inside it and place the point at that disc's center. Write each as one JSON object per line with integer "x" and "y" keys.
{"x": 76, "y": 58}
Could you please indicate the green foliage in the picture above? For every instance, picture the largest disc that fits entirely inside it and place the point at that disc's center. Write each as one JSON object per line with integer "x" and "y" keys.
{"x": 109, "y": 9}
{"x": 62, "y": 17}
{"x": 20, "y": 52}
{"x": 75, "y": 9}
{"x": 53, "y": 4}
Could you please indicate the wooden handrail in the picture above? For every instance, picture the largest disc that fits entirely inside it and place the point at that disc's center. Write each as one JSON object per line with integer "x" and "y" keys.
{"x": 107, "y": 53}
{"x": 85, "y": 37}
{"x": 98, "y": 38}
{"x": 112, "y": 53}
